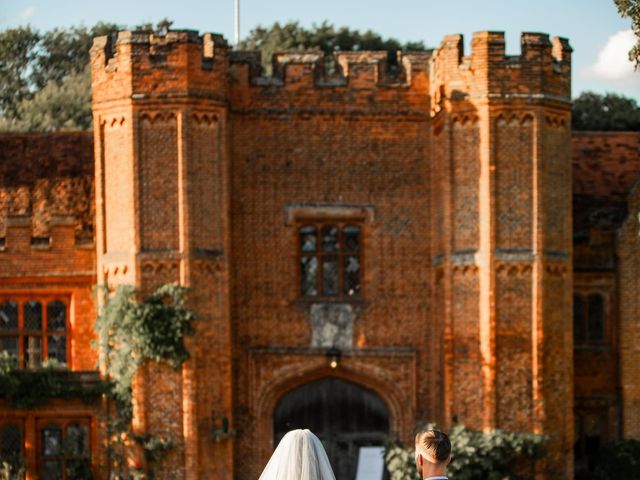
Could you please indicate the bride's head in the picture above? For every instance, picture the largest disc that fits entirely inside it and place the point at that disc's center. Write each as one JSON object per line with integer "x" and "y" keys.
{"x": 299, "y": 456}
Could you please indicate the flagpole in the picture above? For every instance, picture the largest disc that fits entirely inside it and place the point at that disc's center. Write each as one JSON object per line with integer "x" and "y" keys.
{"x": 236, "y": 15}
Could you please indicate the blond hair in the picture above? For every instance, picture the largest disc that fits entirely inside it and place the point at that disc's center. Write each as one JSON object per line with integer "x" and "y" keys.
{"x": 433, "y": 445}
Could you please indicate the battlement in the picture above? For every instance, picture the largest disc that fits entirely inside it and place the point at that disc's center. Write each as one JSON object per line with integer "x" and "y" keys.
{"x": 360, "y": 69}
{"x": 542, "y": 68}
{"x": 152, "y": 65}
{"x": 20, "y": 234}
{"x": 57, "y": 251}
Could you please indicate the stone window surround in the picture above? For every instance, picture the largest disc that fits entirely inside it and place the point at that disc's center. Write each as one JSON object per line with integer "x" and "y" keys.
{"x": 361, "y": 215}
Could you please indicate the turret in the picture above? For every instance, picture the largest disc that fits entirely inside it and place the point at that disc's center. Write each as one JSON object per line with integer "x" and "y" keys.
{"x": 142, "y": 65}
{"x": 502, "y": 134}
{"x": 161, "y": 149}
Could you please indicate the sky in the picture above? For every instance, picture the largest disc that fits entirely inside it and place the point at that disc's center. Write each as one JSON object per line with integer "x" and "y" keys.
{"x": 599, "y": 36}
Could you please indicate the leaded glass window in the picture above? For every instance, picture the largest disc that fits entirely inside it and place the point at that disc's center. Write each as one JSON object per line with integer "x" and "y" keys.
{"x": 11, "y": 450}
{"x": 64, "y": 450}
{"x": 57, "y": 331}
{"x": 9, "y": 330}
{"x": 34, "y": 329}
{"x": 330, "y": 260}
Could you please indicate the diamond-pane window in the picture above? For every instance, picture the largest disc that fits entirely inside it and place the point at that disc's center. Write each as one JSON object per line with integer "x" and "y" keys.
{"x": 56, "y": 316}
{"x": 330, "y": 238}
{"x": 64, "y": 452}
{"x": 32, "y": 333}
{"x": 8, "y": 316}
{"x": 351, "y": 238}
{"x": 57, "y": 323}
{"x": 11, "y": 451}
{"x": 51, "y": 441}
{"x": 352, "y": 276}
{"x": 57, "y": 348}
{"x": 308, "y": 239}
{"x": 10, "y": 440}
{"x": 9, "y": 344}
{"x": 329, "y": 260}
{"x": 32, "y": 316}
{"x": 330, "y": 274}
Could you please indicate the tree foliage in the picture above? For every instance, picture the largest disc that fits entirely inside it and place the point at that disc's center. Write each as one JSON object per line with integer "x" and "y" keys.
{"x": 64, "y": 106}
{"x": 17, "y": 55}
{"x": 294, "y": 37}
{"x": 45, "y": 80}
{"x": 631, "y": 9}
{"x": 618, "y": 459}
{"x": 495, "y": 455}
{"x": 609, "y": 112}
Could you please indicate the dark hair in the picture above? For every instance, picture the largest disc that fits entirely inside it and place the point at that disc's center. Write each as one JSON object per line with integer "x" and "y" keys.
{"x": 433, "y": 443}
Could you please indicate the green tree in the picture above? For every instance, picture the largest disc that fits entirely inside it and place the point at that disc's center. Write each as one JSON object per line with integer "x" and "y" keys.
{"x": 631, "y": 9}
{"x": 45, "y": 82}
{"x": 17, "y": 54}
{"x": 55, "y": 107}
{"x": 609, "y": 112}
{"x": 618, "y": 459}
{"x": 65, "y": 52}
{"x": 293, "y": 37}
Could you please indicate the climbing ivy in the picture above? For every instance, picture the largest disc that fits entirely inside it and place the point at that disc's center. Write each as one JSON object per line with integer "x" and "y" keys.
{"x": 132, "y": 332}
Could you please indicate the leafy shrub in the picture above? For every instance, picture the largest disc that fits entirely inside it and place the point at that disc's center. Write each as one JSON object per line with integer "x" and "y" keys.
{"x": 12, "y": 467}
{"x": 476, "y": 455}
{"x": 619, "y": 459}
{"x": 31, "y": 388}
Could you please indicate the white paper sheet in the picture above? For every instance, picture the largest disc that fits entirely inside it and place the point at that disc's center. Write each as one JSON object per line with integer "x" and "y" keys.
{"x": 370, "y": 463}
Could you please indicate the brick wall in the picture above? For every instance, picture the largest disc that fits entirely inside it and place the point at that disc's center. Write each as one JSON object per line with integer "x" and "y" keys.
{"x": 48, "y": 254}
{"x": 605, "y": 167}
{"x": 46, "y": 192}
{"x": 629, "y": 327}
{"x": 457, "y": 172}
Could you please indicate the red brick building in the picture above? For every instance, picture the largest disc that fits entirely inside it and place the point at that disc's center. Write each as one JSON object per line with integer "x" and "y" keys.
{"x": 364, "y": 251}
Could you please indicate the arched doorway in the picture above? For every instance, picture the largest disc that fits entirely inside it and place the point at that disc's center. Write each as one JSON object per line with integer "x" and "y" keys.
{"x": 343, "y": 414}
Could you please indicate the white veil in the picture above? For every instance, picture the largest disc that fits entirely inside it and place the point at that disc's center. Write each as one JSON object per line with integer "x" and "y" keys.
{"x": 299, "y": 456}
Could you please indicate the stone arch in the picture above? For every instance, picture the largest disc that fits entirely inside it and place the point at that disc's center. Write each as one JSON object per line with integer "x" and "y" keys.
{"x": 400, "y": 407}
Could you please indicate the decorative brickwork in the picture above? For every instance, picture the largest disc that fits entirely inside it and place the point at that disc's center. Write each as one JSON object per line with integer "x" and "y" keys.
{"x": 457, "y": 173}
{"x": 629, "y": 333}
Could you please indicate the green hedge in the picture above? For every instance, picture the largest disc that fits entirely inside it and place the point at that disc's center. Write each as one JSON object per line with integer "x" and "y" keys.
{"x": 496, "y": 455}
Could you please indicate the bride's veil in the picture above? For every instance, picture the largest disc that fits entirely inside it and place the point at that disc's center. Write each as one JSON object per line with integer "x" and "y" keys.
{"x": 299, "y": 456}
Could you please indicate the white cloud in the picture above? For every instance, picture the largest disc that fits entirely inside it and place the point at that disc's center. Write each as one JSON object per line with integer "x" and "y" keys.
{"x": 27, "y": 13}
{"x": 613, "y": 60}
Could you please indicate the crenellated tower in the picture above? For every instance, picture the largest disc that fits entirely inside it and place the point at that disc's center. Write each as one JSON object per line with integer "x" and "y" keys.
{"x": 502, "y": 236}
{"x": 161, "y": 150}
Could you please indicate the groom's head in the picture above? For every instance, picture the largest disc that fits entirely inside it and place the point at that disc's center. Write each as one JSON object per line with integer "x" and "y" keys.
{"x": 433, "y": 450}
